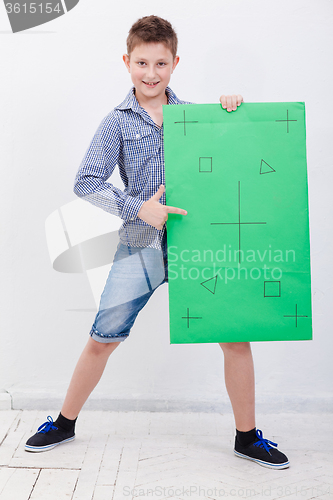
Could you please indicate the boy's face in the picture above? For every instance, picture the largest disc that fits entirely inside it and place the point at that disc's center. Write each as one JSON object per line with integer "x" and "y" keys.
{"x": 150, "y": 66}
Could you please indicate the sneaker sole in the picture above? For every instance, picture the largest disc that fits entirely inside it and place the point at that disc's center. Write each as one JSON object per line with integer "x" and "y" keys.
{"x": 269, "y": 465}
{"x": 37, "y": 449}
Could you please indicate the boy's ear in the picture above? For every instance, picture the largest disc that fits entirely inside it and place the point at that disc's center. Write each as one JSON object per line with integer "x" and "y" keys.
{"x": 126, "y": 60}
{"x": 175, "y": 62}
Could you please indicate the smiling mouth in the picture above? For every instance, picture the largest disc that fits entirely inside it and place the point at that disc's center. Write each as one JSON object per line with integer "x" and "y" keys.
{"x": 151, "y": 84}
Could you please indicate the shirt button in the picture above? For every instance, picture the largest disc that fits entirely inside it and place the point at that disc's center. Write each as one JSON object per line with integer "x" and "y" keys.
{"x": 137, "y": 136}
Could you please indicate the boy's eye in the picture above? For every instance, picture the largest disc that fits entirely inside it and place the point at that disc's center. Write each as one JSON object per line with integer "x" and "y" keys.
{"x": 142, "y": 63}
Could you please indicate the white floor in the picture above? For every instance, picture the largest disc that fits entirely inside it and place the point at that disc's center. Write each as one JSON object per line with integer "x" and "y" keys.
{"x": 120, "y": 455}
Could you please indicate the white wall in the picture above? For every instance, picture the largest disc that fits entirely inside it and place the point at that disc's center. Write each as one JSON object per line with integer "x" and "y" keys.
{"x": 57, "y": 82}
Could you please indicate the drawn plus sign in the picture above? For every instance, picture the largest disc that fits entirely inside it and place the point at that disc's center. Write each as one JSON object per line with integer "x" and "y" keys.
{"x": 294, "y": 316}
{"x": 184, "y": 122}
{"x": 188, "y": 317}
{"x": 287, "y": 120}
{"x": 239, "y": 223}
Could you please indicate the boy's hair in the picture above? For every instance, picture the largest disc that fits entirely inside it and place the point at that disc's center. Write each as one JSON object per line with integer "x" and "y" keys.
{"x": 152, "y": 29}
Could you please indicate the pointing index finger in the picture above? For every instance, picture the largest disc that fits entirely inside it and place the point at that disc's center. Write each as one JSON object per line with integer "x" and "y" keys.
{"x": 175, "y": 210}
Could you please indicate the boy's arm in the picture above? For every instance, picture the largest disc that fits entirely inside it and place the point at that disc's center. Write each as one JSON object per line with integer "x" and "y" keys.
{"x": 230, "y": 102}
{"x": 97, "y": 166}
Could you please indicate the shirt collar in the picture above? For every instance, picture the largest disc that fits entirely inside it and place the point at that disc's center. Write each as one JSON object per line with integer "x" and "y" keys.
{"x": 131, "y": 101}
{"x": 172, "y": 98}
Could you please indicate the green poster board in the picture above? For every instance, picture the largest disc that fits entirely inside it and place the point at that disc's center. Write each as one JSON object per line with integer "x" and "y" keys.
{"x": 239, "y": 261}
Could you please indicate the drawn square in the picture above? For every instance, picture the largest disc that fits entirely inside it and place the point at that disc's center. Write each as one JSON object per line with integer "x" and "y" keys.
{"x": 205, "y": 164}
{"x": 272, "y": 288}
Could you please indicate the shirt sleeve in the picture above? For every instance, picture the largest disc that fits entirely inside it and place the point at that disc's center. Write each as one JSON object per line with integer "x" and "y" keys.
{"x": 97, "y": 166}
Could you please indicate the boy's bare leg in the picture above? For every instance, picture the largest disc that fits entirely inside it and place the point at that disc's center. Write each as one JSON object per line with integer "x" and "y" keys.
{"x": 87, "y": 374}
{"x": 239, "y": 381}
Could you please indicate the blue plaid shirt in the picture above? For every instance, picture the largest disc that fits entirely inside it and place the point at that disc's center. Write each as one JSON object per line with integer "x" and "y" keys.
{"x": 129, "y": 138}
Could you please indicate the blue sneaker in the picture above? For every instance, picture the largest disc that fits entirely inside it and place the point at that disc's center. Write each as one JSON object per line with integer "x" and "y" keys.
{"x": 48, "y": 436}
{"x": 263, "y": 452}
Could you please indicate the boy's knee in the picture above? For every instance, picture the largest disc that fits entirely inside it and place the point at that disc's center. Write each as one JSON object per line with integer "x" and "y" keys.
{"x": 235, "y": 347}
{"x": 101, "y": 348}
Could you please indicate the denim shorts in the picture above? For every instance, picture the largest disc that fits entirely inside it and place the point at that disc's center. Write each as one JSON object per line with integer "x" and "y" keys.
{"x": 134, "y": 276}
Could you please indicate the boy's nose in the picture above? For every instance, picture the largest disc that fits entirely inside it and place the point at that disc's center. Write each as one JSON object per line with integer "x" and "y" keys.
{"x": 151, "y": 72}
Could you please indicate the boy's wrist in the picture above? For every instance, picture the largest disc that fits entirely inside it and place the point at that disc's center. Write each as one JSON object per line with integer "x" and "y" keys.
{"x": 131, "y": 208}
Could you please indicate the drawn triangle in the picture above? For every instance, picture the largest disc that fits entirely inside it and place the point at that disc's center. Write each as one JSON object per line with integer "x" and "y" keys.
{"x": 264, "y": 169}
{"x": 210, "y": 284}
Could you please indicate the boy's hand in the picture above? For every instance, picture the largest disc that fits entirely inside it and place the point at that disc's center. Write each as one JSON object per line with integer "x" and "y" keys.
{"x": 230, "y": 102}
{"x": 156, "y": 214}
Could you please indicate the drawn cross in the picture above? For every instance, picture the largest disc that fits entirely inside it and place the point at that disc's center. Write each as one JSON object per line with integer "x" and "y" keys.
{"x": 184, "y": 122}
{"x": 188, "y": 317}
{"x": 287, "y": 120}
{"x": 294, "y": 316}
{"x": 239, "y": 223}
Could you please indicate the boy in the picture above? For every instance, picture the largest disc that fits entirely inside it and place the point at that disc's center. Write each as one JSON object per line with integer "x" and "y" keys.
{"x": 131, "y": 136}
